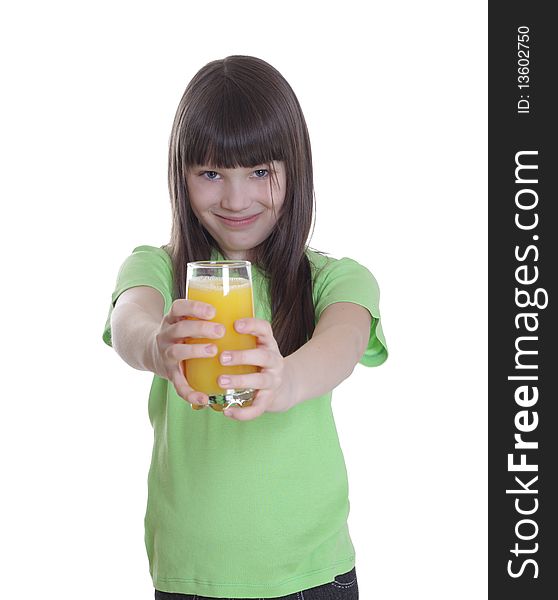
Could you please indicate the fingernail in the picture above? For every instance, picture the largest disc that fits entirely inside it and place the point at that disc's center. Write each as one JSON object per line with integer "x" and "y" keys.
{"x": 240, "y": 325}
{"x": 220, "y": 330}
{"x": 211, "y": 349}
{"x": 226, "y": 357}
{"x": 225, "y": 380}
{"x": 210, "y": 311}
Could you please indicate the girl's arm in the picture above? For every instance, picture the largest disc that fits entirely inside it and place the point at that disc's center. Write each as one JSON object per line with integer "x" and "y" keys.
{"x": 329, "y": 357}
{"x": 134, "y": 322}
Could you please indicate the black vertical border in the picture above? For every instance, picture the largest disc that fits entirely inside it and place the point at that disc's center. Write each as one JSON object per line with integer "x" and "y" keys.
{"x": 511, "y": 132}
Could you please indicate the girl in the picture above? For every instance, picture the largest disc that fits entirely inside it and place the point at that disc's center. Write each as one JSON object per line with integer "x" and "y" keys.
{"x": 253, "y": 504}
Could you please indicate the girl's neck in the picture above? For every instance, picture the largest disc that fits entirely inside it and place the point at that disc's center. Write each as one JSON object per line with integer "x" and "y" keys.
{"x": 238, "y": 255}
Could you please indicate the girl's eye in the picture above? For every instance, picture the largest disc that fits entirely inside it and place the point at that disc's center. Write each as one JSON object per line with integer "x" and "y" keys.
{"x": 210, "y": 174}
{"x": 260, "y": 173}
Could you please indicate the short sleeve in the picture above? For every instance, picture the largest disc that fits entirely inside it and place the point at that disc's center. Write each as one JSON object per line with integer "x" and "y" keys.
{"x": 147, "y": 265}
{"x": 346, "y": 280}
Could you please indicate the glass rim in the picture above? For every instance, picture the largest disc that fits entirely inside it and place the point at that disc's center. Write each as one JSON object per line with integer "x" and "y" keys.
{"x": 219, "y": 263}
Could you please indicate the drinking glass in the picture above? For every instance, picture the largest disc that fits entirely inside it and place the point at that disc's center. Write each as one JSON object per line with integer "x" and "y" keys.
{"x": 227, "y": 285}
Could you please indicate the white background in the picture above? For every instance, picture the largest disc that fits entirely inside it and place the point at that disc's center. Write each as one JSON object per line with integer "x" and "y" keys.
{"x": 394, "y": 94}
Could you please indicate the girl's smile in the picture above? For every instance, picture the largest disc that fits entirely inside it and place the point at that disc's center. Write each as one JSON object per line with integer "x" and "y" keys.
{"x": 239, "y": 207}
{"x": 239, "y": 221}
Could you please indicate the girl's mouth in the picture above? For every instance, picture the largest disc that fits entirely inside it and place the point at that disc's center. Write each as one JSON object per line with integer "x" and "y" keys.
{"x": 239, "y": 222}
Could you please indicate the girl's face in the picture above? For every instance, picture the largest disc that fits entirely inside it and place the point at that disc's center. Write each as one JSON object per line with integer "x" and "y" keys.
{"x": 235, "y": 205}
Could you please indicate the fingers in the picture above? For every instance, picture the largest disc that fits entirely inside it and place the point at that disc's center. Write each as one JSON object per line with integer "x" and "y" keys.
{"x": 184, "y": 390}
{"x": 197, "y": 398}
{"x": 181, "y": 386}
{"x": 196, "y": 329}
{"x": 257, "y": 381}
{"x": 179, "y": 352}
{"x": 267, "y": 360}
{"x": 183, "y": 308}
{"x": 259, "y": 357}
{"x": 261, "y": 403}
{"x": 190, "y": 319}
{"x": 258, "y": 327}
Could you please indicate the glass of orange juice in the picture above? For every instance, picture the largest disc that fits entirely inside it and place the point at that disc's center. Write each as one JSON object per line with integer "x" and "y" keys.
{"x": 227, "y": 285}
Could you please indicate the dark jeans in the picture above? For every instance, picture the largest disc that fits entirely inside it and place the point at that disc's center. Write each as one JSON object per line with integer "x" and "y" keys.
{"x": 345, "y": 587}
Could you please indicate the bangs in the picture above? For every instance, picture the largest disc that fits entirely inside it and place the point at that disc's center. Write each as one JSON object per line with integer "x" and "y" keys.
{"x": 233, "y": 130}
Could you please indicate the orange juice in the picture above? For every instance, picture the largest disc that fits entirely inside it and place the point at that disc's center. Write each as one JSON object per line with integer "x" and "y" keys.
{"x": 232, "y": 299}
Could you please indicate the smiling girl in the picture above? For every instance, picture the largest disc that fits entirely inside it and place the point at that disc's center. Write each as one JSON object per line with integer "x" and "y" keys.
{"x": 253, "y": 504}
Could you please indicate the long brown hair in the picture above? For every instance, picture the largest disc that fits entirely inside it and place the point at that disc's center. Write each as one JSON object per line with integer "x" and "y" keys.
{"x": 241, "y": 112}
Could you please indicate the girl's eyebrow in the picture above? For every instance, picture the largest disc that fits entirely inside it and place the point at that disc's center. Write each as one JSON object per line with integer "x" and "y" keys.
{"x": 209, "y": 167}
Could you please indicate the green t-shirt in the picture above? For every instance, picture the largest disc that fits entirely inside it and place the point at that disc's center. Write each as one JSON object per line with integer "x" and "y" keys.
{"x": 248, "y": 509}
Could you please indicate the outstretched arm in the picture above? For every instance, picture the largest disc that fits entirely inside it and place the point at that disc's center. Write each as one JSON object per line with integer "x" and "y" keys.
{"x": 329, "y": 357}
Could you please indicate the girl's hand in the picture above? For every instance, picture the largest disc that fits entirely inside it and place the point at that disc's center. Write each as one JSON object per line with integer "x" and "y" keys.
{"x": 169, "y": 350}
{"x": 272, "y": 382}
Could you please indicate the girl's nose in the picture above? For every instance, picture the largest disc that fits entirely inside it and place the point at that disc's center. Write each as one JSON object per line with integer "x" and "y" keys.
{"x": 235, "y": 197}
